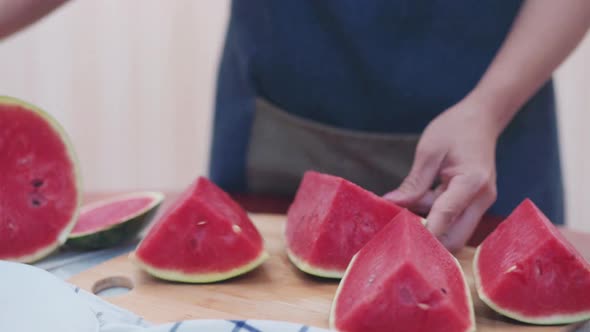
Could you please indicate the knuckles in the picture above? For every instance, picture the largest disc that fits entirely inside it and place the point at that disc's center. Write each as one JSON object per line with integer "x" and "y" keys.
{"x": 446, "y": 215}
{"x": 410, "y": 184}
{"x": 483, "y": 181}
{"x": 425, "y": 151}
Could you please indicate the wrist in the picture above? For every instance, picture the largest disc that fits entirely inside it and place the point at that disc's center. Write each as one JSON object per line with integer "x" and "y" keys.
{"x": 496, "y": 105}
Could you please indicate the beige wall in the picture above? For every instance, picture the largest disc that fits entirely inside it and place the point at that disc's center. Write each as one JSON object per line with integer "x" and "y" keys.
{"x": 573, "y": 92}
{"x": 133, "y": 81}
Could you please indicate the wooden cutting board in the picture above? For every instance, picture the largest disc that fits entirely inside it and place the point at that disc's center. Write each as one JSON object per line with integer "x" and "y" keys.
{"x": 274, "y": 291}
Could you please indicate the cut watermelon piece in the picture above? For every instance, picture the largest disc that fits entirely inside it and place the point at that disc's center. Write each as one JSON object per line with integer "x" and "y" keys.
{"x": 528, "y": 271}
{"x": 39, "y": 182}
{"x": 403, "y": 280}
{"x": 203, "y": 237}
{"x": 113, "y": 221}
{"x": 330, "y": 220}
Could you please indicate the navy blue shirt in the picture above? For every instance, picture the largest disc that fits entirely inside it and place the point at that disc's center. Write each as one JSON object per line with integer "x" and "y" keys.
{"x": 386, "y": 66}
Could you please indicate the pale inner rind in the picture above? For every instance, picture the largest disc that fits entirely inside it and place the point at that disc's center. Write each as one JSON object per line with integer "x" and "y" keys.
{"x": 174, "y": 275}
{"x": 544, "y": 320}
{"x": 313, "y": 270}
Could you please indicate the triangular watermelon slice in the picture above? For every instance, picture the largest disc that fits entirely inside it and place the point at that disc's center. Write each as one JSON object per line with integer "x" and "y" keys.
{"x": 403, "y": 280}
{"x": 330, "y": 220}
{"x": 527, "y": 270}
{"x": 40, "y": 187}
{"x": 112, "y": 221}
{"x": 203, "y": 237}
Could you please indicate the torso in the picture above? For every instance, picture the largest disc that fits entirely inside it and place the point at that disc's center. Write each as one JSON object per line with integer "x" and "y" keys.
{"x": 385, "y": 67}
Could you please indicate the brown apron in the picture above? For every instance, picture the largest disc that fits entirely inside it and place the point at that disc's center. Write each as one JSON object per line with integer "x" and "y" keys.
{"x": 283, "y": 146}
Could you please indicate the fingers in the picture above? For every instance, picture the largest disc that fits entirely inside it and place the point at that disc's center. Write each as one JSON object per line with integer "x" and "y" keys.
{"x": 424, "y": 170}
{"x": 460, "y": 194}
{"x": 461, "y": 230}
{"x": 423, "y": 205}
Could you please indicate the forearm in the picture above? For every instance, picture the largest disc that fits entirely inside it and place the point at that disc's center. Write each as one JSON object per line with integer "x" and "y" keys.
{"x": 543, "y": 35}
{"x": 18, "y": 14}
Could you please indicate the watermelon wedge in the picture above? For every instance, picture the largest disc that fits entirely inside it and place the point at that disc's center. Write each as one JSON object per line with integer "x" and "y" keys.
{"x": 330, "y": 220}
{"x": 39, "y": 182}
{"x": 113, "y": 221}
{"x": 403, "y": 280}
{"x": 527, "y": 270}
{"x": 203, "y": 237}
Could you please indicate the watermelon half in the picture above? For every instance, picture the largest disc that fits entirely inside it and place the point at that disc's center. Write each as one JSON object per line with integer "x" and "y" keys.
{"x": 527, "y": 270}
{"x": 403, "y": 280}
{"x": 203, "y": 237}
{"x": 113, "y": 221}
{"x": 40, "y": 186}
{"x": 330, "y": 220}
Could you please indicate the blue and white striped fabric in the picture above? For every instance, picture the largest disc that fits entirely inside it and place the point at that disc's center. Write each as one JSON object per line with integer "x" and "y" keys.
{"x": 218, "y": 326}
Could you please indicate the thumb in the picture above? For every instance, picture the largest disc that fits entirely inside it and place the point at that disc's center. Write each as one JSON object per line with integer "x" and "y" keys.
{"x": 421, "y": 177}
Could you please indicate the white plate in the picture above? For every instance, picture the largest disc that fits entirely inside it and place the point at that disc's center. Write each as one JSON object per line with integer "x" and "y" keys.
{"x": 34, "y": 300}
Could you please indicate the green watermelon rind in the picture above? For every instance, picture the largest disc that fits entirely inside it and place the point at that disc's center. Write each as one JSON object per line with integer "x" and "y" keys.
{"x": 317, "y": 271}
{"x": 543, "y": 320}
{"x": 332, "y": 319}
{"x": 302, "y": 265}
{"x": 469, "y": 298}
{"x": 199, "y": 278}
{"x": 60, "y": 131}
{"x": 127, "y": 227}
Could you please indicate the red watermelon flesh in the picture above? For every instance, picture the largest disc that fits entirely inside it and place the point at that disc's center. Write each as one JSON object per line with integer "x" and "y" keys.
{"x": 39, "y": 189}
{"x": 107, "y": 215}
{"x": 330, "y": 220}
{"x": 403, "y": 280}
{"x": 204, "y": 236}
{"x": 528, "y": 271}
{"x": 113, "y": 221}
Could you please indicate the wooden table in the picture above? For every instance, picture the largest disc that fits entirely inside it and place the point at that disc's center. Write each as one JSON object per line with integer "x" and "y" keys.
{"x": 276, "y": 290}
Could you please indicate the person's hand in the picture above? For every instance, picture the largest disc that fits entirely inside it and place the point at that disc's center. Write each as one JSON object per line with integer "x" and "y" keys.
{"x": 458, "y": 149}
